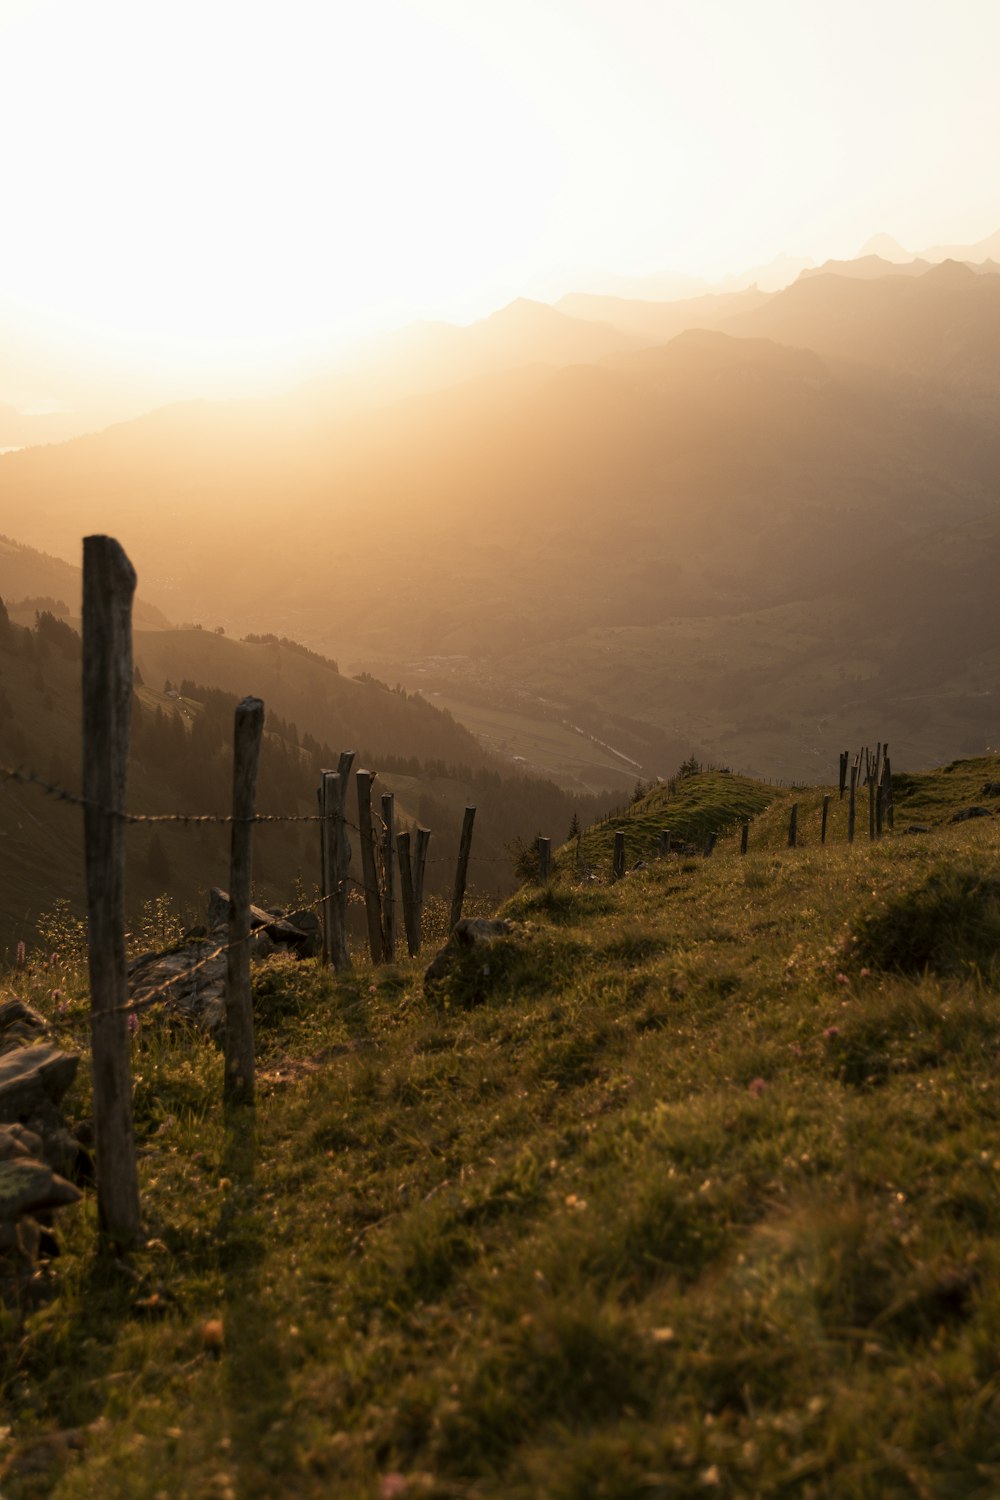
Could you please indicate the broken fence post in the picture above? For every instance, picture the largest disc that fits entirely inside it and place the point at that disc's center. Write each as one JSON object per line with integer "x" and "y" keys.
{"x": 248, "y": 726}
{"x": 108, "y": 587}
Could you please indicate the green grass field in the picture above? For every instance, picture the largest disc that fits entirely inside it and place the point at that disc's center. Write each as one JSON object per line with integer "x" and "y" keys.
{"x": 696, "y": 1192}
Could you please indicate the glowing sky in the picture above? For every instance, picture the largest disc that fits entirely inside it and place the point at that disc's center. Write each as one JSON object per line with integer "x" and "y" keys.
{"x": 215, "y": 181}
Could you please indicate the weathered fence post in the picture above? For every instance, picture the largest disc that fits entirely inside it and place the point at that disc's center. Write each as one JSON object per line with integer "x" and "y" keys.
{"x": 851, "y": 806}
{"x": 419, "y": 870}
{"x": 710, "y": 843}
{"x": 336, "y": 852}
{"x": 744, "y": 835}
{"x": 843, "y": 772}
{"x": 826, "y": 814}
{"x": 238, "y": 1080}
{"x": 462, "y": 868}
{"x": 544, "y": 860}
{"x": 663, "y": 846}
{"x": 879, "y": 809}
{"x": 793, "y": 826}
{"x": 389, "y": 877}
{"x": 871, "y": 809}
{"x": 890, "y": 810}
{"x": 406, "y": 893}
{"x": 369, "y": 875}
{"x": 618, "y": 860}
{"x": 108, "y": 587}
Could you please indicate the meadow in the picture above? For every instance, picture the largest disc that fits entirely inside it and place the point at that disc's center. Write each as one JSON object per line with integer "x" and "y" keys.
{"x": 691, "y": 1187}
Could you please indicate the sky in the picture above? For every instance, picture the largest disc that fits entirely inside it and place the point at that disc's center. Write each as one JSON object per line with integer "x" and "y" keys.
{"x": 213, "y": 185}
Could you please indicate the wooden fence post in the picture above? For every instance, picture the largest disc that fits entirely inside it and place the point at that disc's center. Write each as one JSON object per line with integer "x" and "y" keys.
{"x": 793, "y": 826}
{"x": 388, "y": 843}
{"x": 369, "y": 874}
{"x": 618, "y": 860}
{"x": 462, "y": 868}
{"x": 871, "y": 808}
{"x": 108, "y": 587}
{"x": 248, "y": 726}
{"x": 710, "y": 844}
{"x": 879, "y": 807}
{"x": 744, "y": 835}
{"x": 406, "y": 893}
{"x": 663, "y": 846}
{"x": 843, "y": 772}
{"x": 336, "y": 851}
{"x": 826, "y": 814}
{"x": 544, "y": 860}
{"x": 419, "y": 870}
{"x": 890, "y": 810}
{"x": 851, "y": 805}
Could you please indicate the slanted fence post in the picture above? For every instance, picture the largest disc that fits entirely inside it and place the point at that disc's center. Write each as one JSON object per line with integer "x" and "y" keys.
{"x": 618, "y": 860}
{"x": 851, "y": 806}
{"x": 238, "y": 1080}
{"x": 389, "y": 877}
{"x": 544, "y": 860}
{"x": 462, "y": 868}
{"x": 826, "y": 814}
{"x": 793, "y": 826}
{"x": 108, "y": 587}
{"x": 369, "y": 874}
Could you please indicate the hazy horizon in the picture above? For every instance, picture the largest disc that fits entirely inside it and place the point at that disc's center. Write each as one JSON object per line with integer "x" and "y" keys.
{"x": 220, "y": 197}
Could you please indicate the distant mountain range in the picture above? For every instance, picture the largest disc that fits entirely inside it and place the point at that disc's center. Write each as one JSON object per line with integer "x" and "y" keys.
{"x": 753, "y": 524}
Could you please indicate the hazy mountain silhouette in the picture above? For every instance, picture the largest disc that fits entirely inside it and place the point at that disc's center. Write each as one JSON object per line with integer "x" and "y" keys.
{"x": 889, "y": 249}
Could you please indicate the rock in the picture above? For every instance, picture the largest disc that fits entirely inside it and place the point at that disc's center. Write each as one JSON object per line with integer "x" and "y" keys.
{"x": 18, "y": 1140}
{"x": 28, "y": 1186}
{"x": 475, "y": 955}
{"x": 32, "y": 1078}
{"x": 303, "y": 937}
{"x": 917, "y": 828}
{"x": 965, "y": 813}
{"x": 991, "y": 789}
{"x": 19, "y": 1023}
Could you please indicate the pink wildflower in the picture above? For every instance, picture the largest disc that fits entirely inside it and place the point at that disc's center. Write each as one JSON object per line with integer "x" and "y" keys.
{"x": 21, "y": 955}
{"x": 842, "y": 979}
{"x": 830, "y": 1033}
{"x": 756, "y": 1087}
{"x": 392, "y": 1485}
{"x": 133, "y": 1023}
{"x": 865, "y": 973}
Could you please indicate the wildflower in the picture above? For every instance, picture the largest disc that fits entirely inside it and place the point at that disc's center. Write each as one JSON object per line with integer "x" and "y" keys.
{"x": 21, "y": 955}
{"x": 842, "y": 979}
{"x": 865, "y": 973}
{"x": 830, "y": 1033}
{"x": 756, "y": 1087}
{"x": 133, "y": 1023}
{"x": 392, "y": 1485}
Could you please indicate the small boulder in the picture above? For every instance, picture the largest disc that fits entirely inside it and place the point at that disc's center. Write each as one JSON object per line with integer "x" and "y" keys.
{"x": 991, "y": 789}
{"x": 465, "y": 969}
{"x": 965, "y": 813}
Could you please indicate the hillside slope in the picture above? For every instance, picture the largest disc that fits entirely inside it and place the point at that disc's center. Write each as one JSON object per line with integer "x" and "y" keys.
{"x": 695, "y": 1191}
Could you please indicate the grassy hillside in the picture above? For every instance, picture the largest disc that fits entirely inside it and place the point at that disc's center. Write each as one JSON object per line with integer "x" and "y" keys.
{"x": 694, "y": 1192}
